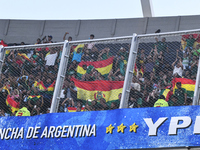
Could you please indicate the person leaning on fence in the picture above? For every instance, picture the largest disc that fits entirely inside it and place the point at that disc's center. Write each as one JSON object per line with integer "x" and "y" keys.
{"x": 161, "y": 102}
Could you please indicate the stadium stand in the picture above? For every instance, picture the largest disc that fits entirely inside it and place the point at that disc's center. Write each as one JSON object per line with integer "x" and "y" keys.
{"x": 163, "y": 67}
{"x": 28, "y": 76}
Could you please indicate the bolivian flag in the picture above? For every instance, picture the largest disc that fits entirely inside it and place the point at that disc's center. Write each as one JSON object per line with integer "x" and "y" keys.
{"x": 12, "y": 104}
{"x": 167, "y": 93}
{"x": 135, "y": 70}
{"x": 4, "y": 45}
{"x": 184, "y": 43}
{"x": 109, "y": 90}
{"x": 41, "y": 86}
{"x": 5, "y": 88}
{"x": 103, "y": 66}
{"x": 142, "y": 70}
{"x": 73, "y": 109}
{"x": 79, "y": 46}
{"x": 187, "y": 84}
{"x": 23, "y": 55}
{"x": 51, "y": 87}
{"x": 34, "y": 97}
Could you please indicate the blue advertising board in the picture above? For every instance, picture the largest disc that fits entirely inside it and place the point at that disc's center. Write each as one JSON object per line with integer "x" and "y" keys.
{"x": 112, "y": 129}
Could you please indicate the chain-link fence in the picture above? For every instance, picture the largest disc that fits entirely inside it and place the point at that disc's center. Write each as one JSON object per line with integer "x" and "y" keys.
{"x": 28, "y": 78}
{"x": 90, "y": 75}
{"x": 166, "y": 67}
{"x": 95, "y": 75}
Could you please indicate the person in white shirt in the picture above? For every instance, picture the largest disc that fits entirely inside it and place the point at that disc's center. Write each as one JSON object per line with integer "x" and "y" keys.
{"x": 51, "y": 58}
{"x": 178, "y": 68}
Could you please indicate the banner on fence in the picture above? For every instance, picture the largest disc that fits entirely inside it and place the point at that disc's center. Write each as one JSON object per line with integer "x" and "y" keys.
{"x": 112, "y": 129}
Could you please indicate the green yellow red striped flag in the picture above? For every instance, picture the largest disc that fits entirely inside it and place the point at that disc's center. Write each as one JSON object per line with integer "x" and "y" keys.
{"x": 109, "y": 90}
{"x": 167, "y": 92}
{"x": 51, "y": 87}
{"x": 23, "y": 55}
{"x": 12, "y": 104}
{"x": 73, "y": 109}
{"x": 187, "y": 84}
{"x": 34, "y": 97}
{"x": 79, "y": 46}
{"x": 5, "y": 88}
{"x": 103, "y": 66}
{"x": 41, "y": 86}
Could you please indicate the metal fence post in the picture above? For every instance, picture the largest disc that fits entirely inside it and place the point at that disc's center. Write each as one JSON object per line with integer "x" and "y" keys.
{"x": 60, "y": 77}
{"x": 129, "y": 72}
{"x": 2, "y": 56}
{"x": 197, "y": 87}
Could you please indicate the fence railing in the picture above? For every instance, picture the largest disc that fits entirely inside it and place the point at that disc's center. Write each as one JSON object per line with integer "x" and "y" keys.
{"x": 101, "y": 74}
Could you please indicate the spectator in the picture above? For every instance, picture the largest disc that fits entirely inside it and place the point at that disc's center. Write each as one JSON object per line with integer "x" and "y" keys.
{"x": 189, "y": 101}
{"x": 187, "y": 74}
{"x": 162, "y": 45}
{"x": 161, "y": 102}
{"x": 3, "y": 97}
{"x": 152, "y": 98}
{"x": 181, "y": 94}
{"x": 196, "y": 51}
{"x": 104, "y": 54}
{"x": 23, "y": 111}
{"x": 48, "y": 110}
{"x": 135, "y": 100}
{"x": 36, "y": 106}
{"x": 50, "y": 37}
{"x": 121, "y": 65}
{"x": 123, "y": 52}
{"x": 72, "y": 68}
{"x": 185, "y": 60}
{"x": 149, "y": 66}
{"x": 69, "y": 38}
{"x": 77, "y": 55}
{"x": 73, "y": 91}
{"x": 38, "y": 41}
{"x": 94, "y": 54}
{"x": 194, "y": 68}
{"x": 94, "y": 105}
{"x": 114, "y": 105}
{"x": 51, "y": 59}
{"x": 178, "y": 69}
{"x": 68, "y": 102}
{"x": 190, "y": 41}
{"x": 103, "y": 105}
{"x": 91, "y": 45}
{"x": 173, "y": 101}
{"x": 86, "y": 56}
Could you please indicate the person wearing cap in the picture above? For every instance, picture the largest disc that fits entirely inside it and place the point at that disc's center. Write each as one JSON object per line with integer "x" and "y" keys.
{"x": 50, "y": 37}
{"x": 181, "y": 94}
{"x": 161, "y": 102}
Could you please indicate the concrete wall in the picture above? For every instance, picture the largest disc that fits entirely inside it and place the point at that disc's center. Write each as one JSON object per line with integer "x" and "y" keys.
{"x": 16, "y": 31}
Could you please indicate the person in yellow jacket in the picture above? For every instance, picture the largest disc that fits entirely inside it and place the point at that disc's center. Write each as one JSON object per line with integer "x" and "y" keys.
{"x": 161, "y": 102}
{"x": 23, "y": 111}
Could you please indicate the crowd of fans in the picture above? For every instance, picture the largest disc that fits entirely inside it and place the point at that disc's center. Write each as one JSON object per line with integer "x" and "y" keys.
{"x": 25, "y": 71}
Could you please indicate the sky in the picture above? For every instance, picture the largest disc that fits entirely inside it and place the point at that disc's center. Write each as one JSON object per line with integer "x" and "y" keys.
{"x": 93, "y": 9}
